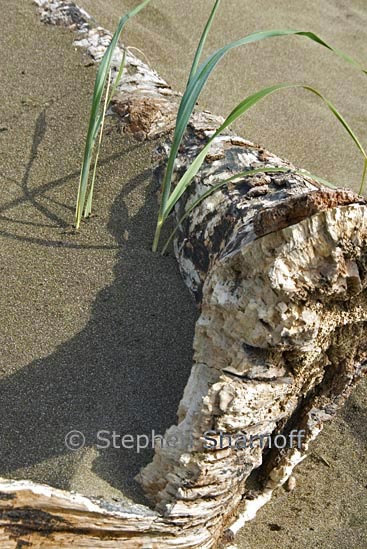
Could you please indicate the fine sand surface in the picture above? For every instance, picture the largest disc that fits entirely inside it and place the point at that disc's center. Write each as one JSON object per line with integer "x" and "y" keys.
{"x": 293, "y": 123}
{"x": 97, "y": 331}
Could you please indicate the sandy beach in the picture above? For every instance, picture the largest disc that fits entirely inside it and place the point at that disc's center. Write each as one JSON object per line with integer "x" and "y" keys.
{"x": 96, "y": 330}
{"x": 293, "y": 124}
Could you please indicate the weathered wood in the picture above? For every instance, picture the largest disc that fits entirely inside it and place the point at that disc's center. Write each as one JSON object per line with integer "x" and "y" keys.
{"x": 278, "y": 265}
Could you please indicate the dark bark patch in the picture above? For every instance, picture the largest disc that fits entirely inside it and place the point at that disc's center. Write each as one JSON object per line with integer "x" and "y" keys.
{"x": 294, "y": 210}
{"x": 4, "y": 496}
{"x": 221, "y": 232}
{"x": 68, "y": 15}
{"x": 23, "y": 520}
{"x": 198, "y": 254}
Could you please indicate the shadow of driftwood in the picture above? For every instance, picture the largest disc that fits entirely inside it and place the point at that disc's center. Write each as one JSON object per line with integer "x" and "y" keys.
{"x": 355, "y": 412}
{"x": 124, "y": 373}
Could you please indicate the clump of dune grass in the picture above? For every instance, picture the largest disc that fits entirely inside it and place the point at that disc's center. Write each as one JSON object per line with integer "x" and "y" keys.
{"x": 237, "y": 112}
{"x": 102, "y": 87}
{"x": 197, "y": 79}
{"x": 238, "y": 178}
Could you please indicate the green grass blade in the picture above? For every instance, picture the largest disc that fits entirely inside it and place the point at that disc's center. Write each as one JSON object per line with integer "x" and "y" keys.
{"x": 118, "y": 77}
{"x": 237, "y": 112}
{"x": 240, "y": 175}
{"x": 203, "y": 38}
{"x": 339, "y": 117}
{"x": 201, "y": 76}
{"x": 196, "y": 85}
{"x": 317, "y": 178}
{"x": 88, "y": 207}
{"x": 363, "y": 176}
{"x": 95, "y": 119}
{"x": 108, "y": 98}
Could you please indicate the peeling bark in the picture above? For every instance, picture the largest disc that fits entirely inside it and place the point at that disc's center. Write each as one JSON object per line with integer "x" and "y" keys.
{"x": 278, "y": 266}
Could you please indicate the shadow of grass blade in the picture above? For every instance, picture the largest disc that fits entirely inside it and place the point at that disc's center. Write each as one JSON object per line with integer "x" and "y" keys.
{"x": 96, "y": 117}
{"x": 195, "y": 86}
{"x": 240, "y": 175}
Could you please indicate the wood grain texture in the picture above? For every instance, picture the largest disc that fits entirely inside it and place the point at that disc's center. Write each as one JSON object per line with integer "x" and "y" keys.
{"x": 278, "y": 266}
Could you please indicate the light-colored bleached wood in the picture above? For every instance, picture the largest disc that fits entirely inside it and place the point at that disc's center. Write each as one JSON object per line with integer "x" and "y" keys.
{"x": 278, "y": 266}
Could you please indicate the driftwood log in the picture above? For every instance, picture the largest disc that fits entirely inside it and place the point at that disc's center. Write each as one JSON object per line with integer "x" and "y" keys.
{"x": 278, "y": 266}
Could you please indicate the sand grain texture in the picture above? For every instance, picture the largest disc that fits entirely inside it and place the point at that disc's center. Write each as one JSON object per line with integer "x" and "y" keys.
{"x": 96, "y": 331}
